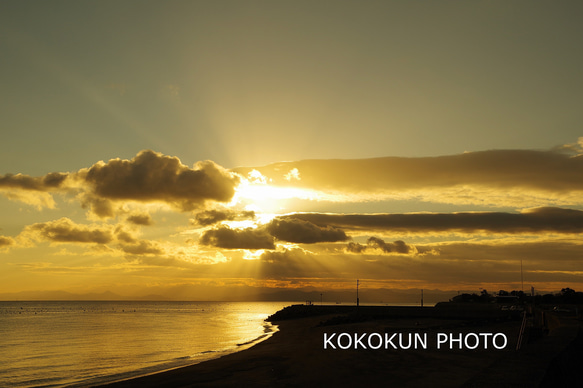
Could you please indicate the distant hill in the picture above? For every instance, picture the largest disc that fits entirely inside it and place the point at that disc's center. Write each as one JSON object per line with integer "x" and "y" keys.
{"x": 59, "y": 295}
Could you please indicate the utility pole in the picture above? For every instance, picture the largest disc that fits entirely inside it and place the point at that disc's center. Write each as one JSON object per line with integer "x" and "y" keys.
{"x": 422, "y": 297}
{"x": 357, "y": 300}
{"x": 521, "y": 277}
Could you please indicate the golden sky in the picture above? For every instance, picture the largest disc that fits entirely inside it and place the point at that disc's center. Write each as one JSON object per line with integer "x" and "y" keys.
{"x": 235, "y": 149}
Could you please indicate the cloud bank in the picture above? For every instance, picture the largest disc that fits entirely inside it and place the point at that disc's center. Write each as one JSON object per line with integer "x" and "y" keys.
{"x": 48, "y": 182}
{"x": 132, "y": 188}
{"x": 140, "y": 219}
{"x": 248, "y": 238}
{"x": 536, "y": 221}
{"x": 496, "y": 177}
{"x": 211, "y": 217}
{"x": 66, "y": 231}
{"x": 304, "y": 232}
{"x": 264, "y": 236}
{"x": 377, "y": 244}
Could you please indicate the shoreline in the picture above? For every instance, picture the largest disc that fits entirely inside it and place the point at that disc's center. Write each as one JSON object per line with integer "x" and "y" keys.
{"x": 294, "y": 355}
{"x": 269, "y": 329}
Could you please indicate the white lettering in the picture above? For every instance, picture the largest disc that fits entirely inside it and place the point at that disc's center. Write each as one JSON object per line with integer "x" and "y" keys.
{"x": 452, "y": 340}
{"x": 503, "y": 337}
{"x": 476, "y": 341}
{"x": 422, "y": 341}
{"x": 389, "y": 340}
{"x": 441, "y": 339}
{"x": 407, "y": 341}
{"x": 357, "y": 340}
{"x": 380, "y": 340}
{"x": 485, "y": 335}
{"x": 349, "y": 340}
{"x": 401, "y": 341}
{"x": 328, "y": 341}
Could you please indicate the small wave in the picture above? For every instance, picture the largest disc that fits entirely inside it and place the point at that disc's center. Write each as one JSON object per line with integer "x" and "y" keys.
{"x": 182, "y": 358}
{"x": 269, "y": 328}
{"x": 253, "y": 340}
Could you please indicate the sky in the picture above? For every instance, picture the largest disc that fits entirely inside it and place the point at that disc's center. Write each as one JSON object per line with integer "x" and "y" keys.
{"x": 221, "y": 150}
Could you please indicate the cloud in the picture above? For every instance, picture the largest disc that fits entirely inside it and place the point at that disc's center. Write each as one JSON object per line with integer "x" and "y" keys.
{"x": 293, "y": 174}
{"x": 6, "y": 241}
{"x": 249, "y": 238}
{"x": 48, "y": 182}
{"x": 64, "y": 230}
{"x": 263, "y": 237}
{"x": 533, "y": 221}
{"x": 35, "y": 191}
{"x": 126, "y": 241}
{"x": 148, "y": 177}
{"x": 142, "y": 247}
{"x": 100, "y": 207}
{"x": 125, "y": 236}
{"x": 300, "y": 231}
{"x": 285, "y": 256}
{"x": 154, "y": 177}
{"x": 494, "y": 264}
{"x": 500, "y": 261}
{"x": 377, "y": 244}
{"x": 573, "y": 148}
{"x": 487, "y": 177}
{"x": 140, "y": 219}
{"x": 130, "y": 243}
{"x": 38, "y": 199}
{"x": 210, "y": 217}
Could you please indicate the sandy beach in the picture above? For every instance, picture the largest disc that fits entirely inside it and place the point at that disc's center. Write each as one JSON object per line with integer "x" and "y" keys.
{"x": 295, "y": 356}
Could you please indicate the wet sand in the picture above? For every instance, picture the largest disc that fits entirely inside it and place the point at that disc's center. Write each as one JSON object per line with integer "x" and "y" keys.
{"x": 295, "y": 356}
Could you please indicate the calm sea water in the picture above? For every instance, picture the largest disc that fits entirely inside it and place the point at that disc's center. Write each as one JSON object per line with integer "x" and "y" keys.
{"x": 47, "y": 344}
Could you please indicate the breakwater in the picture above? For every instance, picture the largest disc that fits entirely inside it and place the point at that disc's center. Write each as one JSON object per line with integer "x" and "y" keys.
{"x": 363, "y": 313}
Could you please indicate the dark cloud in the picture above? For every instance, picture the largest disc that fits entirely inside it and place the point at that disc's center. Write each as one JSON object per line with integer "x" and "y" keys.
{"x": 130, "y": 243}
{"x": 148, "y": 177}
{"x": 125, "y": 236}
{"x": 375, "y": 243}
{"x": 142, "y": 247}
{"x": 6, "y": 241}
{"x": 36, "y": 191}
{"x": 538, "y": 220}
{"x": 210, "y": 217}
{"x": 101, "y": 207}
{"x": 303, "y": 232}
{"x": 65, "y": 230}
{"x": 249, "y": 238}
{"x": 48, "y": 182}
{"x": 140, "y": 219}
{"x": 263, "y": 237}
{"x": 153, "y": 177}
{"x": 355, "y": 247}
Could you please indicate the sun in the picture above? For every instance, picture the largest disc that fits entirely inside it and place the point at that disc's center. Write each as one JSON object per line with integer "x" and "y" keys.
{"x": 257, "y": 193}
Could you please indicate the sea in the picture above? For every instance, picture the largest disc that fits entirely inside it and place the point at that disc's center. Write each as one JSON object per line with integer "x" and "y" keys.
{"x": 80, "y": 344}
